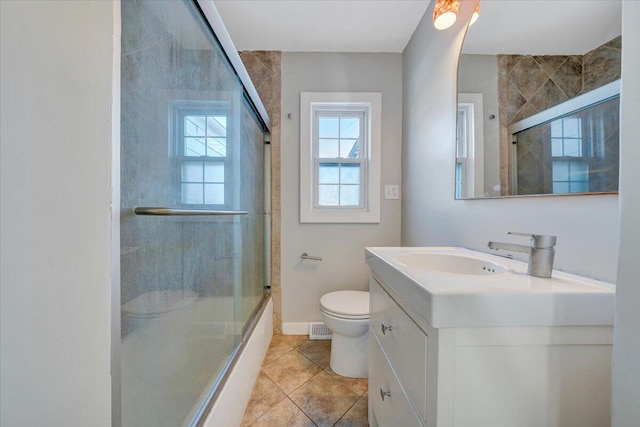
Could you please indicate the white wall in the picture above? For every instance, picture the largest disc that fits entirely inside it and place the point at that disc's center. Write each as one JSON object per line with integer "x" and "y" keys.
{"x": 586, "y": 226}
{"x": 626, "y": 347}
{"x": 341, "y": 245}
{"x": 56, "y": 97}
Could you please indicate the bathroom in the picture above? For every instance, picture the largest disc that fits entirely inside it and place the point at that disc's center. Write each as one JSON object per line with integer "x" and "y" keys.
{"x": 61, "y": 59}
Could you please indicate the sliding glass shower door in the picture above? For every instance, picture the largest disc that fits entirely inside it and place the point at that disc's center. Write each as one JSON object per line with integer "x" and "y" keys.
{"x": 192, "y": 219}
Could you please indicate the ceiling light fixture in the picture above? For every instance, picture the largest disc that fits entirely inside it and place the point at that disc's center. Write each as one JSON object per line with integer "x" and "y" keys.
{"x": 476, "y": 14}
{"x": 445, "y": 13}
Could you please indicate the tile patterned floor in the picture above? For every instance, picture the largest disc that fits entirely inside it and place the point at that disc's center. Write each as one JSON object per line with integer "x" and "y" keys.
{"x": 297, "y": 388}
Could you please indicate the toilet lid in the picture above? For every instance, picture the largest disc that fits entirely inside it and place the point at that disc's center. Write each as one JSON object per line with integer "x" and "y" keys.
{"x": 346, "y": 303}
{"x": 158, "y": 302}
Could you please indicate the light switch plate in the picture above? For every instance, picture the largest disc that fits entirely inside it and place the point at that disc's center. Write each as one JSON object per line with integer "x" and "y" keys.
{"x": 391, "y": 192}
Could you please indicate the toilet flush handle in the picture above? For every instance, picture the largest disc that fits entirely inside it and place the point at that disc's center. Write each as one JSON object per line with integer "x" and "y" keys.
{"x": 384, "y": 393}
{"x": 385, "y": 328}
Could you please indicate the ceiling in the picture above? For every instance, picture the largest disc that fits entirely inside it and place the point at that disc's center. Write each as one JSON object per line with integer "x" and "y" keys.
{"x": 321, "y": 25}
{"x": 505, "y": 26}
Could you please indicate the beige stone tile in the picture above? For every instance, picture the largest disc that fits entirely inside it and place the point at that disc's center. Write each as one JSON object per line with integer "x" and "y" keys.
{"x": 357, "y": 415}
{"x": 290, "y": 371}
{"x": 295, "y": 340}
{"x": 318, "y": 351}
{"x": 265, "y": 395}
{"x": 277, "y": 348}
{"x": 324, "y": 399}
{"x": 357, "y": 385}
{"x": 284, "y": 414}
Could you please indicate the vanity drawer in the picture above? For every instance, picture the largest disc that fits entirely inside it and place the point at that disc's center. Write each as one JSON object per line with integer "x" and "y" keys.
{"x": 390, "y": 402}
{"x": 404, "y": 343}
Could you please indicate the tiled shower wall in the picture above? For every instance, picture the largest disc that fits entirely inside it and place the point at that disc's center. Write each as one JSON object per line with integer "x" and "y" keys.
{"x": 264, "y": 69}
{"x": 529, "y": 84}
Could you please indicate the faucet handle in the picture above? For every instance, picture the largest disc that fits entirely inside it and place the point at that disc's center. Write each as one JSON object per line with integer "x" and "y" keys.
{"x": 538, "y": 240}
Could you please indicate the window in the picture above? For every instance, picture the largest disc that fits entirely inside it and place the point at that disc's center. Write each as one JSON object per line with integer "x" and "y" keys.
{"x": 469, "y": 179}
{"x": 201, "y": 154}
{"x": 569, "y": 170}
{"x": 339, "y": 157}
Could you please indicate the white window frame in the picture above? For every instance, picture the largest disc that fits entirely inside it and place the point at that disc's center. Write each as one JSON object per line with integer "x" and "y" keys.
{"x": 369, "y": 209}
{"x": 178, "y": 110}
{"x": 473, "y": 161}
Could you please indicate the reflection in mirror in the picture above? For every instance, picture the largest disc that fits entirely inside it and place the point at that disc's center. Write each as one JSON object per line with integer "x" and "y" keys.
{"x": 523, "y": 74}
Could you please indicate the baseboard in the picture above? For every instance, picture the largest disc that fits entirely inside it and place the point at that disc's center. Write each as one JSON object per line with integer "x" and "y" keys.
{"x": 295, "y": 328}
{"x": 229, "y": 407}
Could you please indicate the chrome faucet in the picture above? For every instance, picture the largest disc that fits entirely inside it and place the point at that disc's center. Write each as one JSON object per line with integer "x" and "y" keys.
{"x": 540, "y": 252}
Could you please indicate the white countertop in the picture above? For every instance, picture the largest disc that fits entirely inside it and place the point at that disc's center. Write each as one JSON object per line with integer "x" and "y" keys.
{"x": 512, "y": 298}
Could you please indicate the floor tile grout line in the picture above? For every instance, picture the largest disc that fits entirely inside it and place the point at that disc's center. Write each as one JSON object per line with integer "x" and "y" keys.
{"x": 348, "y": 409}
{"x": 307, "y": 415}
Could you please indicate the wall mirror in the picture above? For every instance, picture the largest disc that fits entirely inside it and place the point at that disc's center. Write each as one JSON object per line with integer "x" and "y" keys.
{"x": 538, "y": 99}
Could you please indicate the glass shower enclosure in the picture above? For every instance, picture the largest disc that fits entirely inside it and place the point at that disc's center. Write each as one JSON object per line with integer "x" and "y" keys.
{"x": 192, "y": 213}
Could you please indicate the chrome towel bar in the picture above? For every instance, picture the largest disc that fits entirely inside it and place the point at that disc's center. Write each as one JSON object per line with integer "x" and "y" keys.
{"x": 164, "y": 211}
{"x": 305, "y": 255}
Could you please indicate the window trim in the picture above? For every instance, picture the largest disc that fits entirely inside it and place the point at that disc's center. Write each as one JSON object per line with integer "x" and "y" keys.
{"x": 178, "y": 110}
{"x": 369, "y": 212}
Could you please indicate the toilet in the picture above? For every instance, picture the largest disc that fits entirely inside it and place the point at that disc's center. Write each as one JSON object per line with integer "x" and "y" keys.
{"x": 346, "y": 314}
{"x": 159, "y": 323}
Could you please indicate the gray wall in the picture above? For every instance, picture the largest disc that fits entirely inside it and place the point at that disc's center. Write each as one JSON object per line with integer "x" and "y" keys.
{"x": 341, "y": 245}
{"x": 586, "y": 226}
{"x": 479, "y": 74}
{"x": 626, "y": 346}
{"x": 56, "y": 99}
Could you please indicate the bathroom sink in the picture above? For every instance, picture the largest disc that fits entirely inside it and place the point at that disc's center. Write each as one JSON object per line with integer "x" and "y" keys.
{"x": 456, "y": 287}
{"x": 452, "y": 264}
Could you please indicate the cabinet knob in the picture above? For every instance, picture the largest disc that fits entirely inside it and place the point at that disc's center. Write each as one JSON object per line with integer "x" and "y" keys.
{"x": 384, "y": 393}
{"x": 385, "y": 328}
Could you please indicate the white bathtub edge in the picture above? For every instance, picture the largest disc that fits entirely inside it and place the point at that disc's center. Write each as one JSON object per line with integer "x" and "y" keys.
{"x": 229, "y": 408}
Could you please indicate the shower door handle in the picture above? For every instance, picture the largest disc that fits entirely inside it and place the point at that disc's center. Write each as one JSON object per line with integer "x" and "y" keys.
{"x": 165, "y": 211}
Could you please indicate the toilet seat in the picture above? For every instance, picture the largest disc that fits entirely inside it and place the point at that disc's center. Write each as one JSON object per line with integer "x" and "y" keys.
{"x": 157, "y": 303}
{"x": 346, "y": 304}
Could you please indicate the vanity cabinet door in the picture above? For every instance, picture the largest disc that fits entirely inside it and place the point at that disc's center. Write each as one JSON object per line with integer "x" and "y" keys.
{"x": 403, "y": 342}
{"x": 390, "y": 402}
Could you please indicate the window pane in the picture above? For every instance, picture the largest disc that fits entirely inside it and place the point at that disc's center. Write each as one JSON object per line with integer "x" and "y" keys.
{"x": 194, "y": 125}
{"x": 216, "y": 147}
{"x": 214, "y": 172}
{"x": 328, "y": 127}
{"x": 328, "y": 195}
{"x": 350, "y": 173}
{"x": 192, "y": 172}
{"x": 579, "y": 171}
{"x": 192, "y": 194}
{"x": 560, "y": 171}
{"x": 556, "y": 147}
{"x": 578, "y": 187}
{"x": 194, "y": 147}
{"x": 216, "y": 125}
{"x": 571, "y": 128}
{"x": 350, "y": 127}
{"x": 573, "y": 147}
{"x": 560, "y": 187}
{"x": 349, "y": 195}
{"x": 328, "y": 173}
{"x": 349, "y": 148}
{"x": 214, "y": 194}
{"x": 328, "y": 148}
{"x": 556, "y": 129}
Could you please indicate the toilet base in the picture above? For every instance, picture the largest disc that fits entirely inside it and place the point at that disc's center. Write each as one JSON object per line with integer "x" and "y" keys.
{"x": 350, "y": 356}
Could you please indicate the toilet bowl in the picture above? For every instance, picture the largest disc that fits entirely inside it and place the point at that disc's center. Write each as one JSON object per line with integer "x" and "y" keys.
{"x": 159, "y": 322}
{"x": 346, "y": 314}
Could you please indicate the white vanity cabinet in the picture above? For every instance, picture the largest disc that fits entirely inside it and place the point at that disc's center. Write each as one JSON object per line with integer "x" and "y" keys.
{"x": 398, "y": 363}
{"x": 457, "y": 375}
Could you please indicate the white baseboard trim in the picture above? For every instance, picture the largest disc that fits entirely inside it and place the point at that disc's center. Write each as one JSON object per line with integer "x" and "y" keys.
{"x": 230, "y": 405}
{"x": 295, "y": 328}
